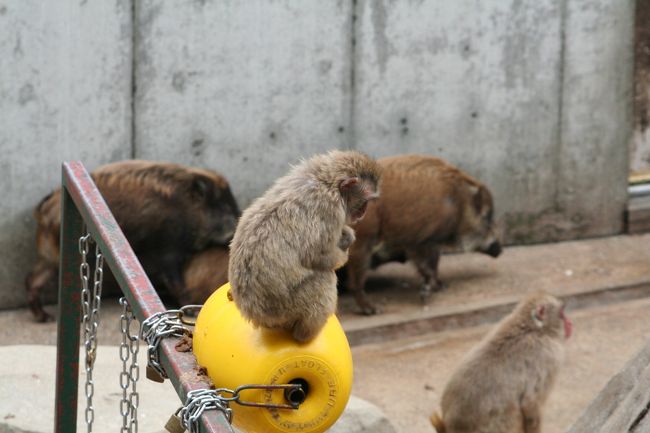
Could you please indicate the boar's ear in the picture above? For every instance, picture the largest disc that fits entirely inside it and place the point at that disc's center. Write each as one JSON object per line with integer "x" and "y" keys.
{"x": 39, "y": 206}
{"x": 480, "y": 197}
{"x": 477, "y": 197}
{"x": 202, "y": 187}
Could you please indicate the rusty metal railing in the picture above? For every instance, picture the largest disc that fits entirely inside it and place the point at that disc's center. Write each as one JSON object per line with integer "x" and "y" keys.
{"x": 81, "y": 203}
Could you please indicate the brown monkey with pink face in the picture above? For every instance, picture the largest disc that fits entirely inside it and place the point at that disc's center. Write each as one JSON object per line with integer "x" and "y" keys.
{"x": 501, "y": 385}
{"x": 290, "y": 241}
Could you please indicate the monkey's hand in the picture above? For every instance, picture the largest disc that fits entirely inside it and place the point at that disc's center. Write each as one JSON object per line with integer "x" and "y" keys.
{"x": 531, "y": 416}
{"x": 342, "y": 260}
{"x": 321, "y": 248}
{"x": 347, "y": 238}
{"x": 329, "y": 259}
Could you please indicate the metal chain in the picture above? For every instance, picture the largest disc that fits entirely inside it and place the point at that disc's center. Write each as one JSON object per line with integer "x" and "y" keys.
{"x": 170, "y": 323}
{"x": 130, "y": 374}
{"x": 91, "y": 303}
{"x": 197, "y": 402}
{"x": 200, "y": 400}
{"x": 152, "y": 330}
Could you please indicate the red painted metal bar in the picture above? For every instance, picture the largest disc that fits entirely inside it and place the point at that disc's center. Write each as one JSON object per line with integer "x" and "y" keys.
{"x": 69, "y": 324}
{"x": 181, "y": 367}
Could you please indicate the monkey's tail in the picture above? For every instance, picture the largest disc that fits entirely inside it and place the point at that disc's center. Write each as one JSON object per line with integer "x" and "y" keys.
{"x": 437, "y": 423}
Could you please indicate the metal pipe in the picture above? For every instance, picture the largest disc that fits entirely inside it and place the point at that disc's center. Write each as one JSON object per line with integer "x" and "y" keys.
{"x": 181, "y": 368}
{"x": 69, "y": 320}
{"x": 639, "y": 190}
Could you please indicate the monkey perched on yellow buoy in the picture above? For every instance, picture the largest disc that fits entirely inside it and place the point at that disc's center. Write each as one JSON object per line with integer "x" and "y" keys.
{"x": 290, "y": 241}
{"x": 234, "y": 353}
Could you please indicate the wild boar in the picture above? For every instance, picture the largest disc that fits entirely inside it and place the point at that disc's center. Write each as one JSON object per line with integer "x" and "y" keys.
{"x": 204, "y": 273}
{"x": 166, "y": 211}
{"x": 424, "y": 204}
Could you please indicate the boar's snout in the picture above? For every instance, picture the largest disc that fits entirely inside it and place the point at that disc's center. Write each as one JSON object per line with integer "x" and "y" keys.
{"x": 222, "y": 238}
{"x": 224, "y": 230}
{"x": 494, "y": 249}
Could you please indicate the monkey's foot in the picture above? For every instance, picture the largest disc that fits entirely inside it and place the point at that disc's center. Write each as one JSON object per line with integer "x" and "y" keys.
{"x": 302, "y": 332}
{"x": 338, "y": 265}
{"x": 368, "y": 309}
{"x": 425, "y": 294}
{"x": 428, "y": 289}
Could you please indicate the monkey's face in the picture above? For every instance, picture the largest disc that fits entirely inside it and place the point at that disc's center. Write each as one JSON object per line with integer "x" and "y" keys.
{"x": 356, "y": 193}
{"x": 568, "y": 326}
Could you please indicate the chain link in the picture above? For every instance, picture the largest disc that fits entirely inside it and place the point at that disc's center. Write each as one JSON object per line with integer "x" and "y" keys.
{"x": 200, "y": 400}
{"x": 130, "y": 374}
{"x": 197, "y": 402}
{"x": 91, "y": 304}
{"x": 170, "y": 323}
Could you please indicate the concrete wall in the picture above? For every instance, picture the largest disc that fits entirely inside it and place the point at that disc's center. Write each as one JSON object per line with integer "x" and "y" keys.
{"x": 479, "y": 86}
{"x": 596, "y": 116}
{"x": 533, "y": 97}
{"x": 242, "y": 87}
{"x": 65, "y": 88}
{"x": 640, "y": 143}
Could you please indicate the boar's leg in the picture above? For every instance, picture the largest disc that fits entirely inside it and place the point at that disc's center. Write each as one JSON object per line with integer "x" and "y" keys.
{"x": 165, "y": 270}
{"x": 42, "y": 275}
{"x": 426, "y": 258}
{"x": 357, "y": 270}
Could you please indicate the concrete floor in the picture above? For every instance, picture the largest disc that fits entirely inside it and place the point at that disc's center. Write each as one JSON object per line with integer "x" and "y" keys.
{"x": 414, "y": 371}
{"x": 472, "y": 280}
{"x": 405, "y": 375}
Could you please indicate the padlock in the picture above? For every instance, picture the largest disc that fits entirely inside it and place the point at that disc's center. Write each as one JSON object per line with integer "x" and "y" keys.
{"x": 236, "y": 353}
{"x": 174, "y": 424}
{"x": 152, "y": 374}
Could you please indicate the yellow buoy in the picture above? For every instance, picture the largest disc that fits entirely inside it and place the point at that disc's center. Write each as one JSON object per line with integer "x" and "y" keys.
{"x": 236, "y": 353}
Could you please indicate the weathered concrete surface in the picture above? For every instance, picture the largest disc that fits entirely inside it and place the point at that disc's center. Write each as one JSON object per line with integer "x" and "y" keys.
{"x": 27, "y": 380}
{"x": 614, "y": 268}
{"x": 406, "y": 377}
{"x": 480, "y": 289}
{"x": 640, "y": 143}
{"x": 242, "y": 87}
{"x": 517, "y": 93}
{"x": 361, "y": 416}
{"x": 596, "y": 117}
{"x": 533, "y": 97}
{"x": 618, "y": 406}
{"x": 64, "y": 94}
